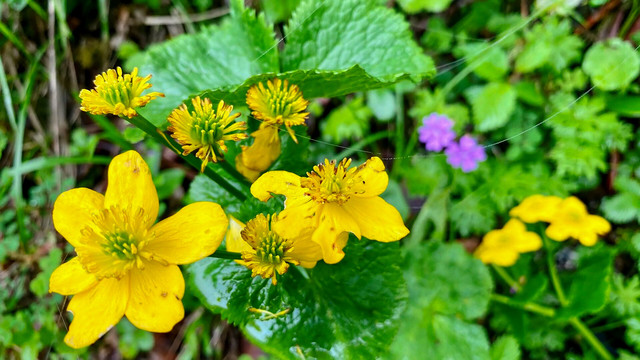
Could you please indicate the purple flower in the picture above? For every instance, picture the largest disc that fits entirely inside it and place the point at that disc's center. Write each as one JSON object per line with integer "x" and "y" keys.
{"x": 436, "y": 132}
{"x": 466, "y": 154}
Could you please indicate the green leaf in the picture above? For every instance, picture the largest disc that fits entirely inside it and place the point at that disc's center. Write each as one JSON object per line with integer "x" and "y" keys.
{"x": 278, "y": 10}
{"x": 204, "y": 189}
{"x": 415, "y": 6}
{"x": 625, "y": 105}
{"x": 383, "y": 104}
{"x": 347, "y": 122}
{"x": 593, "y": 278}
{"x": 611, "y": 64}
{"x": 348, "y": 310}
{"x": 625, "y": 298}
{"x": 133, "y": 134}
{"x": 529, "y": 93}
{"x": 493, "y": 106}
{"x": 218, "y": 56}
{"x": 633, "y": 333}
{"x": 621, "y": 208}
{"x": 434, "y": 326}
{"x": 167, "y": 181}
{"x": 342, "y": 33}
{"x": 433, "y": 265}
{"x": 488, "y": 62}
{"x": 550, "y": 43}
{"x": 40, "y": 284}
{"x": 505, "y": 348}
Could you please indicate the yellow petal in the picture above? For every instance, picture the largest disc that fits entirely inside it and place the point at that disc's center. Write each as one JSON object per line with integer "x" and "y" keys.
{"x": 233, "y": 239}
{"x": 299, "y": 214}
{"x": 70, "y": 278}
{"x": 372, "y": 178}
{"x": 527, "y": 242}
{"x": 264, "y": 151}
{"x": 191, "y": 234}
{"x": 558, "y": 232}
{"x": 130, "y": 187}
{"x": 73, "y": 211}
{"x": 496, "y": 255}
{"x": 156, "y": 297}
{"x": 306, "y": 251}
{"x": 333, "y": 232}
{"x": 250, "y": 174}
{"x": 377, "y": 219}
{"x": 587, "y": 238}
{"x": 276, "y": 182}
{"x": 598, "y": 224}
{"x": 96, "y": 310}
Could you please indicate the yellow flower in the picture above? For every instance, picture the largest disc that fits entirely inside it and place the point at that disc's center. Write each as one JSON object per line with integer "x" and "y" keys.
{"x": 126, "y": 265}
{"x": 255, "y": 159}
{"x": 205, "y": 129}
{"x": 536, "y": 208}
{"x": 334, "y": 200}
{"x": 571, "y": 219}
{"x": 503, "y": 247}
{"x": 117, "y": 94}
{"x": 267, "y": 253}
{"x": 278, "y": 104}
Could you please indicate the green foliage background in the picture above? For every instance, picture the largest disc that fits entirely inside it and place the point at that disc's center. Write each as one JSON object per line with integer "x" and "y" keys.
{"x": 550, "y": 91}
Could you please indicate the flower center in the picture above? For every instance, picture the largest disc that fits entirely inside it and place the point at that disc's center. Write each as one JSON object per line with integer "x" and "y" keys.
{"x": 119, "y": 92}
{"x": 270, "y": 252}
{"x": 206, "y": 128}
{"x": 271, "y": 249}
{"x": 330, "y": 183}
{"x": 121, "y": 244}
{"x": 114, "y": 242}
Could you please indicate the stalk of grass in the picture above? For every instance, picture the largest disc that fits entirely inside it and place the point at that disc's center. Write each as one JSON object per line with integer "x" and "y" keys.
{"x": 19, "y": 140}
{"x": 47, "y": 162}
{"x": 6, "y": 97}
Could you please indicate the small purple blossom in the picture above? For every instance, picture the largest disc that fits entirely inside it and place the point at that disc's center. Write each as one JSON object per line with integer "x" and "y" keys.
{"x": 436, "y": 132}
{"x": 466, "y": 154}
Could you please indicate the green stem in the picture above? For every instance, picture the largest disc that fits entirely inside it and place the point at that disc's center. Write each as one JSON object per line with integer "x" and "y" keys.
{"x": 607, "y": 327}
{"x": 400, "y": 140}
{"x": 502, "y": 272}
{"x": 531, "y": 307}
{"x": 553, "y": 272}
{"x": 223, "y": 254}
{"x": 144, "y": 125}
{"x": 591, "y": 339}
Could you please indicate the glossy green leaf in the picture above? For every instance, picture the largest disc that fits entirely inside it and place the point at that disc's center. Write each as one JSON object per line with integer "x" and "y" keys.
{"x": 339, "y": 34}
{"x": 218, "y": 56}
{"x": 346, "y": 311}
{"x": 625, "y": 105}
{"x": 611, "y": 64}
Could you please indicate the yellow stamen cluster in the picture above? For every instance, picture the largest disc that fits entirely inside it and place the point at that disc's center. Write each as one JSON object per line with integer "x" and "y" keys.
{"x": 278, "y": 103}
{"x": 114, "y": 243}
{"x": 205, "y": 129}
{"x": 270, "y": 254}
{"x": 331, "y": 182}
{"x": 117, "y": 93}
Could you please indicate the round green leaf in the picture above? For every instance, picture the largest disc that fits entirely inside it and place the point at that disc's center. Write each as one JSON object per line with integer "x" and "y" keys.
{"x": 611, "y": 64}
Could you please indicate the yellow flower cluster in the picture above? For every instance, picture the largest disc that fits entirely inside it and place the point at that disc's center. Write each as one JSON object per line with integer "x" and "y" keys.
{"x": 567, "y": 218}
{"x": 205, "y": 129}
{"x": 334, "y": 200}
{"x": 127, "y": 265}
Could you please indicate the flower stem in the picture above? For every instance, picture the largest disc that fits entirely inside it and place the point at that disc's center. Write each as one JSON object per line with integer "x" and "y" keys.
{"x": 532, "y": 307}
{"x": 553, "y": 272}
{"x": 143, "y": 124}
{"x": 223, "y": 254}
{"x": 591, "y": 338}
{"x": 506, "y": 277}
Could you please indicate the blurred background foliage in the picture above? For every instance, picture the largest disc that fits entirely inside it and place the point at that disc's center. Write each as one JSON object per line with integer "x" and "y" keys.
{"x": 563, "y": 71}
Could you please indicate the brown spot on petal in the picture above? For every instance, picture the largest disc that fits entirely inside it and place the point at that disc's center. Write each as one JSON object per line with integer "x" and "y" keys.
{"x": 164, "y": 294}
